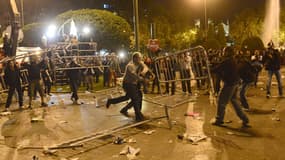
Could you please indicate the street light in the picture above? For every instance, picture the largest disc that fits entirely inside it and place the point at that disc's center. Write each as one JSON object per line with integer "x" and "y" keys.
{"x": 136, "y": 23}
{"x": 206, "y": 18}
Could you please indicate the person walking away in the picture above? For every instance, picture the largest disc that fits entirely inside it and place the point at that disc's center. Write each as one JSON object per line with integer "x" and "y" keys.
{"x": 272, "y": 62}
{"x": 228, "y": 69}
{"x": 73, "y": 73}
{"x": 45, "y": 72}
{"x": 12, "y": 78}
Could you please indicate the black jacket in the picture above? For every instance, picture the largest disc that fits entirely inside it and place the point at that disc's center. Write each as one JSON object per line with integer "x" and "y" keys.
{"x": 228, "y": 71}
{"x": 272, "y": 60}
{"x": 12, "y": 78}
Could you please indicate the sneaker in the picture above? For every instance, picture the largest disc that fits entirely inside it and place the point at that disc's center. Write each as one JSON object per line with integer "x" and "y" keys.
{"x": 44, "y": 104}
{"x": 268, "y": 96}
{"x": 30, "y": 107}
{"x": 216, "y": 123}
{"x": 125, "y": 113}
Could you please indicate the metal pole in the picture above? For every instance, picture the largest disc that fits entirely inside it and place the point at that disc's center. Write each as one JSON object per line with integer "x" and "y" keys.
{"x": 22, "y": 12}
{"x": 206, "y": 18}
{"x": 136, "y": 24}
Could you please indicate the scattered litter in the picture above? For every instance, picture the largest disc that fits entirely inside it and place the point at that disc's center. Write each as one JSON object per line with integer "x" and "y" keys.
{"x": 197, "y": 138}
{"x": 273, "y": 109}
{"x": 194, "y": 139}
{"x": 192, "y": 114}
{"x": 49, "y": 151}
{"x": 59, "y": 89}
{"x": 5, "y": 113}
{"x": 149, "y": 132}
{"x": 132, "y": 140}
{"x": 170, "y": 141}
{"x": 87, "y": 92}
{"x": 130, "y": 152}
{"x": 37, "y": 119}
{"x": 160, "y": 123}
{"x": 63, "y": 122}
{"x": 230, "y": 133}
{"x": 35, "y": 158}
{"x": 262, "y": 89}
{"x": 275, "y": 118}
{"x": 174, "y": 122}
{"x": 119, "y": 140}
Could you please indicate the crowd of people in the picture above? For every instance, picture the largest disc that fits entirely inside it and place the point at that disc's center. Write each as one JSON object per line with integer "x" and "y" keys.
{"x": 232, "y": 72}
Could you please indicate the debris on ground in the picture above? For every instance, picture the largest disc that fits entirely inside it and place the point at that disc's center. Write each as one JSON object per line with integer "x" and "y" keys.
{"x": 35, "y": 157}
{"x": 275, "y": 118}
{"x": 63, "y": 122}
{"x": 192, "y": 114}
{"x": 230, "y": 133}
{"x": 132, "y": 140}
{"x": 194, "y": 139}
{"x": 37, "y": 119}
{"x": 149, "y": 132}
{"x": 119, "y": 140}
{"x": 5, "y": 113}
{"x": 49, "y": 151}
{"x": 130, "y": 152}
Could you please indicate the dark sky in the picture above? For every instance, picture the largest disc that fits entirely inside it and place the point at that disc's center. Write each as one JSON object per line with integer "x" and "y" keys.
{"x": 193, "y": 9}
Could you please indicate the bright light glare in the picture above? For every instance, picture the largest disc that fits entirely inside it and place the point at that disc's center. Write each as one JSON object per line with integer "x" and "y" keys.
{"x": 86, "y": 30}
{"x": 122, "y": 54}
{"x": 102, "y": 52}
{"x": 51, "y": 31}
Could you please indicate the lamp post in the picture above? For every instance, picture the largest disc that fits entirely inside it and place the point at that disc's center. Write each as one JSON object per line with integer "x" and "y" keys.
{"x": 22, "y": 13}
{"x": 206, "y": 19}
{"x": 136, "y": 24}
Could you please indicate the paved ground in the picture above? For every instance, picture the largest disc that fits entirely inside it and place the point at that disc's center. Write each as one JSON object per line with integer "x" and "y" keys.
{"x": 62, "y": 121}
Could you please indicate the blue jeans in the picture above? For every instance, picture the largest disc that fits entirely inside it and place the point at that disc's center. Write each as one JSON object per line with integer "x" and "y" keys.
{"x": 278, "y": 78}
{"x": 229, "y": 93}
{"x": 243, "y": 90}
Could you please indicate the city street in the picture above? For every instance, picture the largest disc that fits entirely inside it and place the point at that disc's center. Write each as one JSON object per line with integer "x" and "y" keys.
{"x": 30, "y": 133}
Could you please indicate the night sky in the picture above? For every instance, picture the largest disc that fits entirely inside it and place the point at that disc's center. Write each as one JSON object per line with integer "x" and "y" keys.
{"x": 193, "y": 9}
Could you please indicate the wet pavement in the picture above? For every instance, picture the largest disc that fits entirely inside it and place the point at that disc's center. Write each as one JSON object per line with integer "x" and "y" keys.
{"x": 29, "y": 133}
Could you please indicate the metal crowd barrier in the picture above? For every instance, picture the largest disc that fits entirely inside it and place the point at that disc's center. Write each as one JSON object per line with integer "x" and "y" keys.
{"x": 185, "y": 65}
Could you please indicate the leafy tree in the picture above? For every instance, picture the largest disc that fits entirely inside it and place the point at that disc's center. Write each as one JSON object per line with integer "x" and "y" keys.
{"x": 245, "y": 25}
{"x": 32, "y": 34}
{"x": 252, "y": 43}
{"x": 221, "y": 35}
{"x": 109, "y": 31}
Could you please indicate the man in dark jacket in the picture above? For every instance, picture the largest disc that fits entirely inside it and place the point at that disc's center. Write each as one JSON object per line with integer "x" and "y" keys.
{"x": 272, "y": 62}
{"x": 228, "y": 69}
{"x": 73, "y": 73}
{"x": 35, "y": 81}
{"x": 12, "y": 78}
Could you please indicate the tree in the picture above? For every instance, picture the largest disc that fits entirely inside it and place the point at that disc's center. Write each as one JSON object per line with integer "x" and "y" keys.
{"x": 246, "y": 24}
{"x": 221, "y": 37}
{"x": 252, "y": 43}
{"x": 109, "y": 31}
{"x": 32, "y": 34}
